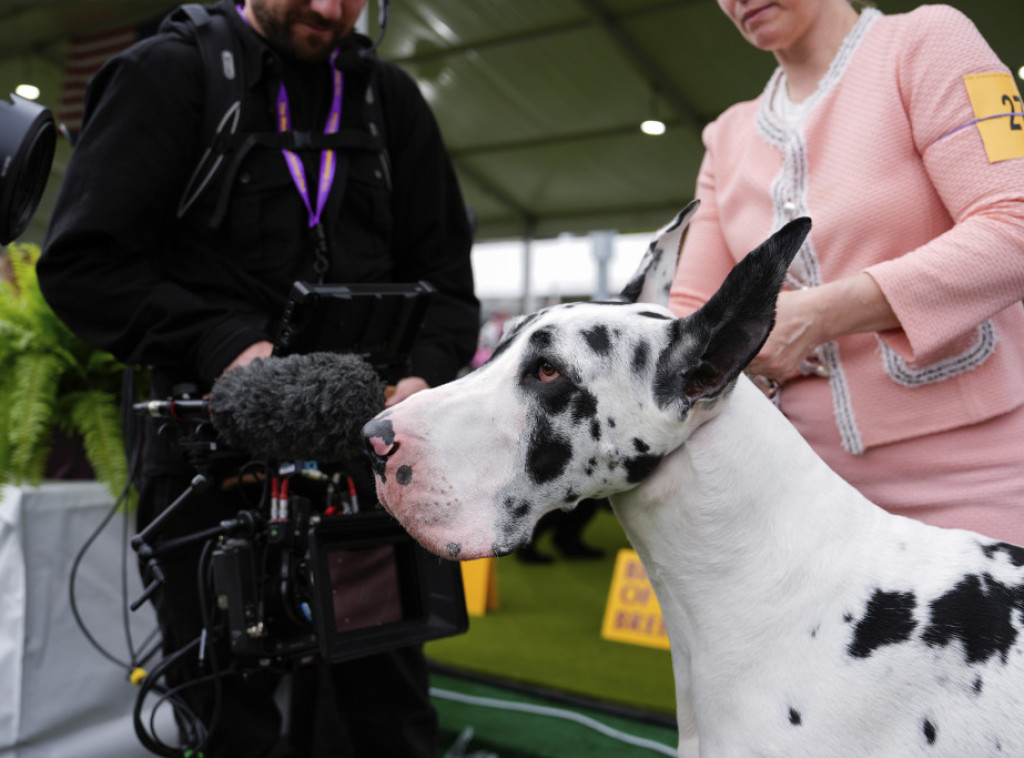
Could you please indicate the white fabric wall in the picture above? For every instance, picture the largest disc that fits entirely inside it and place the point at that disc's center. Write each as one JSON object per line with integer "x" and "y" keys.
{"x": 58, "y": 696}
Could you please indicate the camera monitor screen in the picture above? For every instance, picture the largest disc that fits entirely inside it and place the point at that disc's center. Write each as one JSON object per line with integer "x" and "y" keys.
{"x": 365, "y": 588}
{"x": 375, "y": 321}
{"x": 377, "y": 589}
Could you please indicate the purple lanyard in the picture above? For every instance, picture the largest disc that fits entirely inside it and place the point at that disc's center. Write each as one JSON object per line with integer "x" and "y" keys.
{"x": 328, "y": 164}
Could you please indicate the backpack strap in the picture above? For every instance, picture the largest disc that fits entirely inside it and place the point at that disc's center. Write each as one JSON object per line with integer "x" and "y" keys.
{"x": 222, "y": 63}
{"x": 343, "y": 141}
{"x": 226, "y": 147}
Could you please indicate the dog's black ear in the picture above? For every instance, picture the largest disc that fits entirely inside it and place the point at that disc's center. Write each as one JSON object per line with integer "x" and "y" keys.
{"x": 653, "y": 277}
{"x": 711, "y": 347}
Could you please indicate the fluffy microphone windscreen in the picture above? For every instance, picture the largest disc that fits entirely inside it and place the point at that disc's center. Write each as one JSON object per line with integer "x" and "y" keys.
{"x": 300, "y": 407}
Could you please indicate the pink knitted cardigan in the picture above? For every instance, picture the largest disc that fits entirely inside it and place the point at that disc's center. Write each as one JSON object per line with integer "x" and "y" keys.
{"x": 894, "y": 189}
{"x": 895, "y": 176}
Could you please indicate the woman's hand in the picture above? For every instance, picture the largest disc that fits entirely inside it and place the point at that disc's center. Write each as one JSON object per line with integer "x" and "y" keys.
{"x": 797, "y": 333}
{"x": 807, "y": 318}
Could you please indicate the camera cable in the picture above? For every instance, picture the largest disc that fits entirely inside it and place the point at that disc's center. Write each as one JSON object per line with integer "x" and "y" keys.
{"x": 138, "y": 657}
{"x": 188, "y": 721}
{"x": 194, "y": 731}
{"x": 120, "y": 503}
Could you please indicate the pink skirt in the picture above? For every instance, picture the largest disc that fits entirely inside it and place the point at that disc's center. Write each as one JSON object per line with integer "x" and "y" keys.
{"x": 971, "y": 477}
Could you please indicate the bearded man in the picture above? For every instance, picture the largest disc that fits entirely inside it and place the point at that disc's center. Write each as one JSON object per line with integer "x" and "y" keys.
{"x": 176, "y": 249}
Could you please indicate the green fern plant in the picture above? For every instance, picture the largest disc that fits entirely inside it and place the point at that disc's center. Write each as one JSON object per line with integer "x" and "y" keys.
{"x": 52, "y": 380}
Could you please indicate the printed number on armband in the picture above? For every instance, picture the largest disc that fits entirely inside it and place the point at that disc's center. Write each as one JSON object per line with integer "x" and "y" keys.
{"x": 1015, "y": 104}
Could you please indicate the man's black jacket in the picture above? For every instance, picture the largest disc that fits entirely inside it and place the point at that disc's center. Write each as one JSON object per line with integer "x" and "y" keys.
{"x": 130, "y": 277}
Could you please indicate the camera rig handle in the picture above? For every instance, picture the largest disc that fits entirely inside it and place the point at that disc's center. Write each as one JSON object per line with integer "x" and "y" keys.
{"x": 243, "y": 523}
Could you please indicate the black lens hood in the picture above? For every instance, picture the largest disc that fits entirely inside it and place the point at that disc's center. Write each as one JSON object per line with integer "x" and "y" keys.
{"x": 28, "y": 138}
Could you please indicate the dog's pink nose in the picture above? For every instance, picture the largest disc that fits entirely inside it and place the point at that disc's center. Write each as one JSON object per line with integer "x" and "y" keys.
{"x": 381, "y": 448}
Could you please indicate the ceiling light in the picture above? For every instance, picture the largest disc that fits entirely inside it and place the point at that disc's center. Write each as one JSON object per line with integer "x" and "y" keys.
{"x": 27, "y": 91}
{"x": 1020, "y": 72}
{"x": 653, "y": 127}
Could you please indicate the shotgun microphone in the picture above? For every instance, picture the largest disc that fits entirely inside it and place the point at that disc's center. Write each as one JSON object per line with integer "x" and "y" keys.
{"x": 300, "y": 407}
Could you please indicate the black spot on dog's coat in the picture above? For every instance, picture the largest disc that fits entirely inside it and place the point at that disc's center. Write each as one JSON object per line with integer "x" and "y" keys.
{"x": 977, "y": 686}
{"x": 929, "y": 731}
{"x": 555, "y": 397}
{"x": 595, "y": 430}
{"x": 542, "y": 338}
{"x": 641, "y": 356}
{"x": 794, "y": 717}
{"x": 598, "y": 339}
{"x": 584, "y": 405}
{"x": 1013, "y": 552}
{"x": 977, "y": 612}
{"x": 640, "y": 467}
{"x": 453, "y": 549}
{"x": 548, "y": 453}
{"x": 888, "y": 620}
{"x": 518, "y": 510}
{"x": 404, "y": 475}
{"x": 640, "y": 446}
{"x": 652, "y": 314}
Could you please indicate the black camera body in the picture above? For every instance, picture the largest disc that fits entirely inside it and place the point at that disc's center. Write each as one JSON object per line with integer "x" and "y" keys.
{"x": 339, "y": 586}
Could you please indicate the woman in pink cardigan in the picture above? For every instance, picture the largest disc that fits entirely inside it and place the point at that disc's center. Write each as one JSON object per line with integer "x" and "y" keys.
{"x": 898, "y": 350}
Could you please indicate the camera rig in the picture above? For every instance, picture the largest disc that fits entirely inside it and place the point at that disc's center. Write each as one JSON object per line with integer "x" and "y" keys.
{"x": 305, "y": 569}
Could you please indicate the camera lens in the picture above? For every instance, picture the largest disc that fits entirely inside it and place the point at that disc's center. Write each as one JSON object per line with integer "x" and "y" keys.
{"x": 28, "y": 138}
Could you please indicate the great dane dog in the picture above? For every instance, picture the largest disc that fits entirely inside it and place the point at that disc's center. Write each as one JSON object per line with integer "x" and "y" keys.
{"x": 804, "y": 620}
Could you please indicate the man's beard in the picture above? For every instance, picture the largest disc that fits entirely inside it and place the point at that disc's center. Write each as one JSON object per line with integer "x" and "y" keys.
{"x": 282, "y": 33}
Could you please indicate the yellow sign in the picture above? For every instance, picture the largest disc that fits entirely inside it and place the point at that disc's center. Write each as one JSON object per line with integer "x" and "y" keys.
{"x": 480, "y": 585}
{"x": 1000, "y": 112}
{"x": 632, "y": 614}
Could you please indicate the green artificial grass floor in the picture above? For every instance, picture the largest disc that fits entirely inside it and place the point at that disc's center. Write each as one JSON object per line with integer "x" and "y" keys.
{"x": 478, "y": 720}
{"x": 547, "y": 631}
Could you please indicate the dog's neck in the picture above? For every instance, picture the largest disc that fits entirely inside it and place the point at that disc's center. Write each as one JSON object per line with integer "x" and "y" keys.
{"x": 713, "y": 523}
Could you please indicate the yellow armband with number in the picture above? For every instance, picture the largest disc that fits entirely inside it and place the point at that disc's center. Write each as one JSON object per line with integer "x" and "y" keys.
{"x": 999, "y": 114}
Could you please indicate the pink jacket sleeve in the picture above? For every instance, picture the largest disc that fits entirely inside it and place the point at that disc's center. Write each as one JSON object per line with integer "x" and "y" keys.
{"x": 944, "y": 289}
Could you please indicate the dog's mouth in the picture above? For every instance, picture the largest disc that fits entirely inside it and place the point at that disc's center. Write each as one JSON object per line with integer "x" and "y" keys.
{"x": 382, "y": 498}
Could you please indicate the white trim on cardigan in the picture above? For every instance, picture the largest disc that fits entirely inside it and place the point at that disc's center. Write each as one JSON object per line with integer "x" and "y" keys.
{"x": 789, "y": 201}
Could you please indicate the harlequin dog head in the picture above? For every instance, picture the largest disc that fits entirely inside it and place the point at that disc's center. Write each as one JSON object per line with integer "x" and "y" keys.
{"x": 580, "y": 400}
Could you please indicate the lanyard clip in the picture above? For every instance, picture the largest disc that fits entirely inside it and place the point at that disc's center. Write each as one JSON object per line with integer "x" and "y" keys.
{"x": 321, "y": 251}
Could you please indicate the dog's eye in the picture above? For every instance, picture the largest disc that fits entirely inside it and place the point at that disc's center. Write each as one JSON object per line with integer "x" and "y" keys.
{"x": 546, "y": 372}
